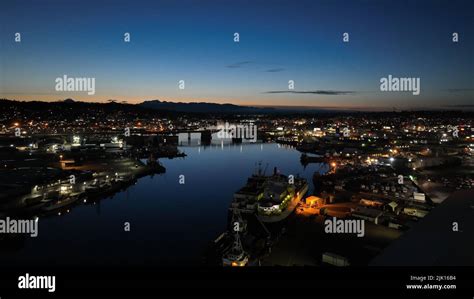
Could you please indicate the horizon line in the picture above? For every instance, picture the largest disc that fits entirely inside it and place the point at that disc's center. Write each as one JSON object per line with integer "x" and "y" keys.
{"x": 295, "y": 107}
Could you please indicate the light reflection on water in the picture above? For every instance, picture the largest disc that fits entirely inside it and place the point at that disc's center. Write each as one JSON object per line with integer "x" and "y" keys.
{"x": 170, "y": 223}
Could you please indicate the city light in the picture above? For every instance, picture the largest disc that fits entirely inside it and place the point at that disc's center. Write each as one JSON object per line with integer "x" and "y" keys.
{"x": 279, "y": 151}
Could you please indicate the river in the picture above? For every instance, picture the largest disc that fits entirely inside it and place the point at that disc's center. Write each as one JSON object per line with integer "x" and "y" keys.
{"x": 170, "y": 223}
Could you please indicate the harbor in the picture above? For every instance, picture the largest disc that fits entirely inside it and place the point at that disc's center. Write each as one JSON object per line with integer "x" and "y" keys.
{"x": 150, "y": 205}
{"x": 88, "y": 184}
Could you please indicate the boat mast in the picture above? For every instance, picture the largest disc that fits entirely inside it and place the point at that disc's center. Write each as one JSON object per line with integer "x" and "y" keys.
{"x": 237, "y": 218}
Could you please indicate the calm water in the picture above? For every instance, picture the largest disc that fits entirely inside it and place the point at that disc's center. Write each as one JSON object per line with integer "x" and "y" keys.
{"x": 170, "y": 223}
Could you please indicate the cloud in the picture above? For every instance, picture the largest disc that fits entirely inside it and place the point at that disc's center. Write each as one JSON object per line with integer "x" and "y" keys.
{"x": 238, "y": 64}
{"x": 241, "y": 64}
{"x": 275, "y": 70}
{"x": 321, "y": 92}
{"x": 460, "y": 106}
{"x": 460, "y": 89}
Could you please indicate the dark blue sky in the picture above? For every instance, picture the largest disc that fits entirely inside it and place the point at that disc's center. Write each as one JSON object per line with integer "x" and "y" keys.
{"x": 279, "y": 41}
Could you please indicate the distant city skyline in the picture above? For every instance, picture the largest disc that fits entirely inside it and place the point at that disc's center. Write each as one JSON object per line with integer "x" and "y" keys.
{"x": 279, "y": 41}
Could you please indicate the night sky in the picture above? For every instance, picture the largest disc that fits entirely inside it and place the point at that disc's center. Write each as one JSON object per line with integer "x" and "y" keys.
{"x": 279, "y": 41}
